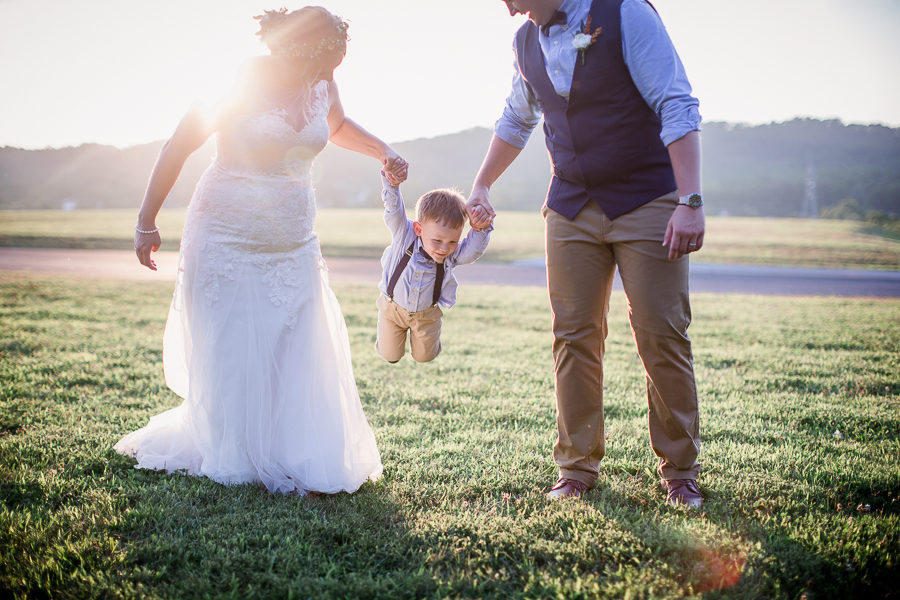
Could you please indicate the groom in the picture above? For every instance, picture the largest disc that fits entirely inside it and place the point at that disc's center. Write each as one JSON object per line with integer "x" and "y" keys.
{"x": 622, "y": 130}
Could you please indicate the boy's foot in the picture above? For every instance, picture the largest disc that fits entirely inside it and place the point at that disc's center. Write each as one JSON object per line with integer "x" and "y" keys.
{"x": 567, "y": 488}
{"x": 683, "y": 491}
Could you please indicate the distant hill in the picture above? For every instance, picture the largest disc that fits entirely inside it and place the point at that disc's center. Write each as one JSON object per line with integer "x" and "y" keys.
{"x": 759, "y": 170}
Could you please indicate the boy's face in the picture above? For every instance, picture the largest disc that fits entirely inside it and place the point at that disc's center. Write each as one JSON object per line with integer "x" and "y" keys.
{"x": 438, "y": 239}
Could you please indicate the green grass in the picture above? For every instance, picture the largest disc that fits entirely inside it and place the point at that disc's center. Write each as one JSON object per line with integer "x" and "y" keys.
{"x": 824, "y": 243}
{"x": 466, "y": 441}
{"x": 518, "y": 236}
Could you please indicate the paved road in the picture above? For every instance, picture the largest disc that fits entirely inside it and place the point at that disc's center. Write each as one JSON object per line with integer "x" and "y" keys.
{"x": 122, "y": 264}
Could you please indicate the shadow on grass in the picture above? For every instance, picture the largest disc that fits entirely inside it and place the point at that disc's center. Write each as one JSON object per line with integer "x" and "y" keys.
{"x": 802, "y": 547}
{"x": 796, "y": 572}
{"x": 189, "y": 536}
{"x": 781, "y": 565}
{"x": 761, "y": 560}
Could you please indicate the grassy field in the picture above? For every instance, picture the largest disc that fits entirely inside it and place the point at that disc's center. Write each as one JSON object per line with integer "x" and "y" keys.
{"x": 800, "y": 421}
{"x": 518, "y": 235}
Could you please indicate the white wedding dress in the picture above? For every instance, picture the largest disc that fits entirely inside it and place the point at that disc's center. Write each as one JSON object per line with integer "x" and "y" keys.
{"x": 255, "y": 341}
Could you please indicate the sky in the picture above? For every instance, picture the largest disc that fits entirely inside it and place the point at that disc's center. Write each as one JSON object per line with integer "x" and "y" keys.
{"x": 122, "y": 72}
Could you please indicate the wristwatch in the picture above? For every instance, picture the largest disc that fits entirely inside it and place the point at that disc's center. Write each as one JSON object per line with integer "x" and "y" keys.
{"x": 692, "y": 200}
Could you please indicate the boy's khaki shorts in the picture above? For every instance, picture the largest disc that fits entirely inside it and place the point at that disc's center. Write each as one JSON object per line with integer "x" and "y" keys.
{"x": 394, "y": 321}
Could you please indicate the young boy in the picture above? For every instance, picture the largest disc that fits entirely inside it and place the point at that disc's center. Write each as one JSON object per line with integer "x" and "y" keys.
{"x": 417, "y": 270}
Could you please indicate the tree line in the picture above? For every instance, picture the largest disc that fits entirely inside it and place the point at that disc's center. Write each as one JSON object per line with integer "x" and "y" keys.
{"x": 803, "y": 167}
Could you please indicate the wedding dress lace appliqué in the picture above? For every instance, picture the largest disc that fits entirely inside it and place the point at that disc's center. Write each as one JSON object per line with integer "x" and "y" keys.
{"x": 255, "y": 342}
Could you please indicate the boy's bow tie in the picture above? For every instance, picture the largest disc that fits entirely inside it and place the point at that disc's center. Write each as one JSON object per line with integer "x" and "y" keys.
{"x": 558, "y": 18}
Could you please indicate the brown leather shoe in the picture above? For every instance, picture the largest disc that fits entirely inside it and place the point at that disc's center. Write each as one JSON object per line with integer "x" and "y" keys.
{"x": 683, "y": 491}
{"x": 567, "y": 488}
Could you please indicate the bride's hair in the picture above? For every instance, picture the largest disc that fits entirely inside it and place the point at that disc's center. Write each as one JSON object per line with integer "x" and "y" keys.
{"x": 305, "y": 34}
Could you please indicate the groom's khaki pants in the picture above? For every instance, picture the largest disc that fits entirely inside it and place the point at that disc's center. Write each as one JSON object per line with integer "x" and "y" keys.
{"x": 582, "y": 256}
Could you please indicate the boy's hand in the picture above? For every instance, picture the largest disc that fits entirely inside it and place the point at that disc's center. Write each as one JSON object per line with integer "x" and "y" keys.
{"x": 479, "y": 218}
{"x": 479, "y": 208}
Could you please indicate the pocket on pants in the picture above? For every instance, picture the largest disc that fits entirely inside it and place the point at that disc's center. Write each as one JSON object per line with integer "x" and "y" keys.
{"x": 432, "y": 314}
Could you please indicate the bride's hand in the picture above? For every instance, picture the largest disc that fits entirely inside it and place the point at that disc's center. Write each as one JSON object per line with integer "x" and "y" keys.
{"x": 395, "y": 168}
{"x": 144, "y": 243}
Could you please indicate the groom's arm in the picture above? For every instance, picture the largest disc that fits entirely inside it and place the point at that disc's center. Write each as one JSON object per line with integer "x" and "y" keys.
{"x": 499, "y": 156}
{"x": 511, "y": 132}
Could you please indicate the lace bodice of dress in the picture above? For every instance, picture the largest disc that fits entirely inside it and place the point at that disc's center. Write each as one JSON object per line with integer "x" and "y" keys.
{"x": 264, "y": 142}
{"x": 254, "y": 208}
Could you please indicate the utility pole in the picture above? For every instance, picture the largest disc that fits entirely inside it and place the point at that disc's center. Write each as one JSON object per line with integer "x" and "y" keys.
{"x": 810, "y": 203}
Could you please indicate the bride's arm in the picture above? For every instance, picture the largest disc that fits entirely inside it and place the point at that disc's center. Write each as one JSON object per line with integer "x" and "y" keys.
{"x": 193, "y": 130}
{"x": 346, "y": 133}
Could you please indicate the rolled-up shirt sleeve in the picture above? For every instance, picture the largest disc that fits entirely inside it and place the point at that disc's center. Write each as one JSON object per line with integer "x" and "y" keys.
{"x": 521, "y": 113}
{"x": 394, "y": 210}
{"x": 657, "y": 71}
{"x": 472, "y": 247}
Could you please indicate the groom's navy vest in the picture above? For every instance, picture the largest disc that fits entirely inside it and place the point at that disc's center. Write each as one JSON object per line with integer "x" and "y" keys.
{"x": 604, "y": 142}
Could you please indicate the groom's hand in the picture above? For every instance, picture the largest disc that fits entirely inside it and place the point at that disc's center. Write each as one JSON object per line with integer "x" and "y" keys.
{"x": 479, "y": 208}
{"x": 685, "y": 231}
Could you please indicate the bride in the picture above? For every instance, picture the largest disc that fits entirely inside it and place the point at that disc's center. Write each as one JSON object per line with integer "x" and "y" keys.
{"x": 255, "y": 342}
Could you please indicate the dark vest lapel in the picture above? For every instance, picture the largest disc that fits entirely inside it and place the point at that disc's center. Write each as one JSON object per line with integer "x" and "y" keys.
{"x": 534, "y": 69}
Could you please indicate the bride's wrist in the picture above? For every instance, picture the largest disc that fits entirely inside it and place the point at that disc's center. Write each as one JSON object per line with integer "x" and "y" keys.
{"x": 146, "y": 230}
{"x": 387, "y": 153}
{"x": 145, "y": 225}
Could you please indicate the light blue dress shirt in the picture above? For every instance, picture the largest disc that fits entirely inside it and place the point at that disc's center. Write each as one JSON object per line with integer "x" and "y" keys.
{"x": 649, "y": 56}
{"x": 414, "y": 289}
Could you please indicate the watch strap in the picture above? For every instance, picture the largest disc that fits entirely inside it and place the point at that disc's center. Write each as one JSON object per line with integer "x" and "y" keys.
{"x": 693, "y": 200}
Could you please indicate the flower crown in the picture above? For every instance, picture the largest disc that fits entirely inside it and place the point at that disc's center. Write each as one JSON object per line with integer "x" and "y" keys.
{"x": 271, "y": 21}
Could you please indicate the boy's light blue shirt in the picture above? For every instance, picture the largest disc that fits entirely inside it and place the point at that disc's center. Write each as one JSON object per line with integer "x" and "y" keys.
{"x": 649, "y": 55}
{"x": 414, "y": 289}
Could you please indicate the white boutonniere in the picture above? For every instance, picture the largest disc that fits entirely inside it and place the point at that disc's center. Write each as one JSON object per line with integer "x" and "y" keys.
{"x": 585, "y": 38}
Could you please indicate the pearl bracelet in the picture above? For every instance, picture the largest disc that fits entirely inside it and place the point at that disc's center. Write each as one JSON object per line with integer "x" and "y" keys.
{"x": 139, "y": 230}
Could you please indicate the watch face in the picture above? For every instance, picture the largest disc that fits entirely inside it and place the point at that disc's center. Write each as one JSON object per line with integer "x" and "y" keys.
{"x": 695, "y": 201}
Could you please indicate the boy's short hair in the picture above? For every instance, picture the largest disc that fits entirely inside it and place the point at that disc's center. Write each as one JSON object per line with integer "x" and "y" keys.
{"x": 443, "y": 205}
